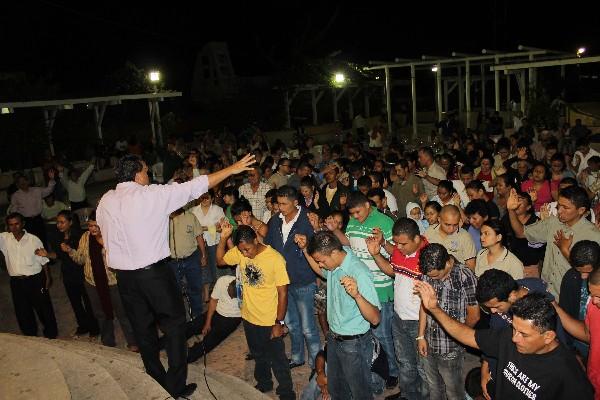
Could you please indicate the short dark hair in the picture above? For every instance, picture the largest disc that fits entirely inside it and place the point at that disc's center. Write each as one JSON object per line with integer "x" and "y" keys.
{"x": 402, "y": 163}
{"x": 434, "y": 256}
{"x": 434, "y": 204}
{"x": 356, "y": 199}
{"x": 244, "y": 234}
{"x": 466, "y": 169}
{"x": 308, "y": 181}
{"x": 537, "y": 308}
{"x": 446, "y": 184}
{"x": 427, "y": 150}
{"x": 15, "y": 215}
{"x": 478, "y": 206}
{"x": 287, "y": 191}
{"x": 281, "y": 161}
{"x": 583, "y": 141}
{"x": 127, "y": 167}
{"x": 240, "y": 205}
{"x": 594, "y": 159}
{"x": 378, "y": 176}
{"x": 495, "y": 283}
{"x": 364, "y": 181}
{"x": 230, "y": 191}
{"x": 323, "y": 242}
{"x": 576, "y": 195}
{"x": 568, "y": 181}
{"x": 405, "y": 226}
{"x": 585, "y": 252}
{"x": 271, "y": 193}
{"x": 475, "y": 185}
{"x": 376, "y": 192}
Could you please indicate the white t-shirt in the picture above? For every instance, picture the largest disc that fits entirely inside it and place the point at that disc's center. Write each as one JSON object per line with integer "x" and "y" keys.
{"x": 391, "y": 200}
{"x": 226, "y": 306}
{"x": 209, "y": 220}
{"x": 584, "y": 159}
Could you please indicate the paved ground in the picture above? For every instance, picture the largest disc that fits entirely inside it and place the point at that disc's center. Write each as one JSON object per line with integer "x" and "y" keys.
{"x": 228, "y": 358}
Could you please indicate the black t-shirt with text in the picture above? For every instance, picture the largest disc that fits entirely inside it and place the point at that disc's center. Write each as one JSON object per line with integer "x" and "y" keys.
{"x": 555, "y": 375}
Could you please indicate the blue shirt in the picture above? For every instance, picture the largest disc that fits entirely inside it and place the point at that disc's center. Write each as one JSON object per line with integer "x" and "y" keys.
{"x": 476, "y": 236}
{"x": 343, "y": 314}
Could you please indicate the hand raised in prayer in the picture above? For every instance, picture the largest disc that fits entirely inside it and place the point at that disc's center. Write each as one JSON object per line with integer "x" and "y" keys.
{"x": 65, "y": 247}
{"x": 533, "y": 194}
{"x": 415, "y": 189}
{"x": 313, "y": 219}
{"x": 522, "y": 153}
{"x": 51, "y": 173}
{"x": 427, "y": 294}
{"x": 373, "y": 246}
{"x": 349, "y": 283}
{"x": 512, "y": 203}
{"x": 545, "y": 211}
{"x": 226, "y": 228}
{"x": 301, "y": 241}
{"x": 563, "y": 241}
{"x": 377, "y": 234}
{"x": 243, "y": 164}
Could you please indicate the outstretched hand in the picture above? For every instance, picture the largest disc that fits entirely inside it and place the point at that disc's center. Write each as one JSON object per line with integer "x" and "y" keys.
{"x": 226, "y": 228}
{"x": 243, "y": 164}
{"x": 512, "y": 203}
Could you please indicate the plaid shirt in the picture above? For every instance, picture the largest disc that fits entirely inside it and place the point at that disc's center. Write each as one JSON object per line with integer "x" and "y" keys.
{"x": 454, "y": 294}
{"x": 256, "y": 199}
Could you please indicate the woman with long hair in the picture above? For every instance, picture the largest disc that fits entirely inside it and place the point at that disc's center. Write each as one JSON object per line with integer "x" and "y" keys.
{"x": 494, "y": 254}
{"x": 69, "y": 234}
{"x": 101, "y": 285}
{"x": 539, "y": 187}
{"x": 310, "y": 194}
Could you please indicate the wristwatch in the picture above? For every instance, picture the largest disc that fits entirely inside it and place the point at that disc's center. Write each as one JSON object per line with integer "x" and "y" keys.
{"x": 279, "y": 322}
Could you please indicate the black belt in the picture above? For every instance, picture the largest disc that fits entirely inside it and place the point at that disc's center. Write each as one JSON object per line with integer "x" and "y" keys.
{"x": 342, "y": 338}
{"x": 156, "y": 264}
{"x": 24, "y": 276}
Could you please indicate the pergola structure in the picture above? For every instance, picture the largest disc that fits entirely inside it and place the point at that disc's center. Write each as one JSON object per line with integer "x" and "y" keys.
{"x": 521, "y": 64}
{"x": 317, "y": 91}
{"x": 51, "y": 107}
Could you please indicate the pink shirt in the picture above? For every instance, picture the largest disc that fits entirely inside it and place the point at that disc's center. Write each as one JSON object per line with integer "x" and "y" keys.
{"x": 29, "y": 203}
{"x": 134, "y": 220}
{"x": 592, "y": 320}
{"x": 544, "y": 194}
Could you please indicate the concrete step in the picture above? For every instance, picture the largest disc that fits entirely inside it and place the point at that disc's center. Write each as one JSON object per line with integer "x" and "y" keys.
{"x": 84, "y": 378}
{"x": 25, "y": 374}
{"x": 224, "y": 386}
{"x": 132, "y": 378}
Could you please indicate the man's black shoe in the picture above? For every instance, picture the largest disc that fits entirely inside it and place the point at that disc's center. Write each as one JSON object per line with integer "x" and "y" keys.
{"x": 295, "y": 364}
{"x": 395, "y": 396}
{"x": 391, "y": 382}
{"x": 263, "y": 390}
{"x": 187, "y": 391}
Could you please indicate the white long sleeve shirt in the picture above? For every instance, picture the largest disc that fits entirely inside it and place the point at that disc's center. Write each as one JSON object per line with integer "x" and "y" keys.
{"x": 76, "y": 190}
{"x": 134, "y": 220}
{"x": 20, "y": 254}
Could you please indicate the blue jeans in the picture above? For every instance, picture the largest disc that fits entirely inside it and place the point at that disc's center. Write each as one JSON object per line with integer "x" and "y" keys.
{"x": 312, "y": 391}
{"x": 412, "y": 380}
{"x": 349, "y": 368}
{"x": 301, "y": 321}
{"x": 190, "y": 269}
{"x": 444, "y": 374}
{"x": 383, "y": 333}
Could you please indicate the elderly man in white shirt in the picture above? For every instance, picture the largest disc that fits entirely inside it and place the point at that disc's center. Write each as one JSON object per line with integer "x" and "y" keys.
{"x": 134, "y": 219}
{"x": 29, "y": 278}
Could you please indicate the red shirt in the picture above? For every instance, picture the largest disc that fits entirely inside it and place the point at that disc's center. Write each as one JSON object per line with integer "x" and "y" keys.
{"x": 408, "y": 266}
{"x": 592, "y": 321}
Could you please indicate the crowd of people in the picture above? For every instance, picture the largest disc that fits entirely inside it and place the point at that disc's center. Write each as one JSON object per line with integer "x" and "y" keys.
{"x": 403, "y": 260}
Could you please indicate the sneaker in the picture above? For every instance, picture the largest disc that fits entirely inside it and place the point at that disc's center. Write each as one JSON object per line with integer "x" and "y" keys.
{"x": 392, "y": 382}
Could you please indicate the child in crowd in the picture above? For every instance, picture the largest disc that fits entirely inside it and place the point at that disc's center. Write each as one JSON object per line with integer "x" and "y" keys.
{"x": 414, "y": 212}
{"x": 432, "y": 212}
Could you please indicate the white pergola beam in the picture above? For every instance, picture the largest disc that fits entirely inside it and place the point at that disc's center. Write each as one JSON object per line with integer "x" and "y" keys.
{"x": 89, "y": 100}
{"x": 545, "y": 63}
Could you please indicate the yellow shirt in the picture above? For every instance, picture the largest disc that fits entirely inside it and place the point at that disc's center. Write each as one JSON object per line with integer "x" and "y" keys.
{"x": 260, "y": 277}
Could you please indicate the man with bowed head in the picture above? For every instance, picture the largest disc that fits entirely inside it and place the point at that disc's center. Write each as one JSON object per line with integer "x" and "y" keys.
{"x": 134, "y": 220}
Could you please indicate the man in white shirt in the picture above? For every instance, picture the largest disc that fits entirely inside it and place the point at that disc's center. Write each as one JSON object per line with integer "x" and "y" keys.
{"x": 134, "y": 220}
{"x": 582, "y": 155}
{"x": 74, "y": 183}
{"x": 28, "y": 284}
{"x": 254, "y": 191}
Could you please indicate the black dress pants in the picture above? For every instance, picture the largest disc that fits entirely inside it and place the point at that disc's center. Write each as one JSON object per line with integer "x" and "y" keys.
{"x": 30, "y": 298}
{"x": 150, "y": 296}
{"x": 82, "y": 307}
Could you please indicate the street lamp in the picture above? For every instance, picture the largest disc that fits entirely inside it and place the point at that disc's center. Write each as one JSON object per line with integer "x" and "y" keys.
{"x": 154, "y": 77}
{"x": 580, "y": 51}
{"x": 339, "y": 78}
{"x": 434, "y": 68}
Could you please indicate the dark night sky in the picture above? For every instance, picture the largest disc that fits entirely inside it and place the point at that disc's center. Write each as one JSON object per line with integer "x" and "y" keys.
{"x": 77, "y": 43}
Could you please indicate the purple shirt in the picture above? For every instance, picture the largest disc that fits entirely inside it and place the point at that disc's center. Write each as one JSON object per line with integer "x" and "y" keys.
{"x": 134, "y": 220}
{"x": 29, "y": 203}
